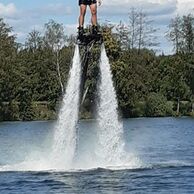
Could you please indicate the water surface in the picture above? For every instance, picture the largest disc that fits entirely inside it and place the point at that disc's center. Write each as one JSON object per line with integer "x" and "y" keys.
{"x": 162, "y": 151}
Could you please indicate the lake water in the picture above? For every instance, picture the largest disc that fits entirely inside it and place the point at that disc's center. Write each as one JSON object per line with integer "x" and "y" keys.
{"x": 161, "y": 152}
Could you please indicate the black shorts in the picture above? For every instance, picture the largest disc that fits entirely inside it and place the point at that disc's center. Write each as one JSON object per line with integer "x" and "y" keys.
{"x": 87, "y": 2}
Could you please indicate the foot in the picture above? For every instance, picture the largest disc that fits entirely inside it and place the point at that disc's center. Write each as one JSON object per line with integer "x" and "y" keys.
{"x": 95, "y": 30}
{"x": 80, "y": 31}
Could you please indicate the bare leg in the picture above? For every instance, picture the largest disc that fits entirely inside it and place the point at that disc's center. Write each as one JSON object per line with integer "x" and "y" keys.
{"x": 93, "y": 9}
{"x": 82, "y": 14}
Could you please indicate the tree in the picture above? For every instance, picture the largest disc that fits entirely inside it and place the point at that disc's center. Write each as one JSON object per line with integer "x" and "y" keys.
{"x": 172, "y": 78}
{"x": 132, "y": 75}
{"x": 188, "y": 33}
{"x": 54, "y": 38}
{"x": 181, "y": 33}
{"x": 146, "y": 32}
{"x": 8, "y": 52}
{"x": 123, "y": 36}
{"x": 175, "y": 33}
{"x": 146, "y": 84}
{"x": 141, "y": 31}
{"x": 34, "y": 40}
{"x": 133, "y": 27}
{"x": 110, "y": 40}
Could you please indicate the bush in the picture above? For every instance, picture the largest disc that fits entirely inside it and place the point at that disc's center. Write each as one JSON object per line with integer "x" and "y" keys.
{"x": 185, "y": 107}
{"x": 170, "y": 106}
{"x": 139, "y": 109}
{"x": 157, "y": 105}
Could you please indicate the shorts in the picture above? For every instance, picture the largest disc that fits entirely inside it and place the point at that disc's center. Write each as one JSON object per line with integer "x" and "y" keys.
{"x": 87, "y": 2}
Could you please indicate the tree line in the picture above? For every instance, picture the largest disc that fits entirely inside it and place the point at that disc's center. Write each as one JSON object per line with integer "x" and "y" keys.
{"x": 33, "y": 75}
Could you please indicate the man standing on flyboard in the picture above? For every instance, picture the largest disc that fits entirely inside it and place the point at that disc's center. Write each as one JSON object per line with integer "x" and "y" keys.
{"x": 93, "y": 8}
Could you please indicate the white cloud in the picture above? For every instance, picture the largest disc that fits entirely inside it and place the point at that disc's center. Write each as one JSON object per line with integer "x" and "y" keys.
{"x": 71, "y": 29}
{"x": 152, "y": 7}
{"x": 25, "y": 20}
{"x": 8, "y": 10}
{"x": 185, "y": 6}
{"x": 161, "y": 11}
{"x": 56, "y": 9}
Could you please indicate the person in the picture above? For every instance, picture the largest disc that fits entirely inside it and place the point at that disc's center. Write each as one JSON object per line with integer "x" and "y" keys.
{"x": 93, "y": 8}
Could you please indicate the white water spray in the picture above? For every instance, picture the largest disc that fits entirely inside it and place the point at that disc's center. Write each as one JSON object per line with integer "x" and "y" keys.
{"x": 65, "y": 136}
{"x": 110, "y": 148}
{"x": 109, "y": 152}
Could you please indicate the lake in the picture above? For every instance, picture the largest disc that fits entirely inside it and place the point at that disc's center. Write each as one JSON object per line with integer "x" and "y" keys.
{"x": 161, "y": 151}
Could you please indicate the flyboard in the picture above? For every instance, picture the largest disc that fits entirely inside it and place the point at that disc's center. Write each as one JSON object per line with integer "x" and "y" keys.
{"x": 86, "y": 42}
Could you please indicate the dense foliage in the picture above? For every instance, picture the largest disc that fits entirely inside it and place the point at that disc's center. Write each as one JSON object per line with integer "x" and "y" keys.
{"x": 33, "y": 76}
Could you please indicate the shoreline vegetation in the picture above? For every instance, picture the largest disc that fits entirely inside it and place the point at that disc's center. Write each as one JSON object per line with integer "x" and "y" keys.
{"x": 33, "y": 75}
{"x": 41, "y": 111}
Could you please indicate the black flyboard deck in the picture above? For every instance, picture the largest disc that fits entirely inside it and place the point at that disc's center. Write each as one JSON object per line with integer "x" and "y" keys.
{"x": 87, "y": 41}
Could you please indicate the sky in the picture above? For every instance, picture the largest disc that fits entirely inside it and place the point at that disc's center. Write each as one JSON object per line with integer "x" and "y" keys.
{"x": 25, "y": 16}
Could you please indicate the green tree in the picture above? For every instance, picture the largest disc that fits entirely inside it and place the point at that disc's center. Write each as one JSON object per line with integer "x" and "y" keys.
{"x": 112, "y": 46}
{"x": 188, "y": 33}
{"x": 8, "y": 53}
{"x": 181, "y": 33}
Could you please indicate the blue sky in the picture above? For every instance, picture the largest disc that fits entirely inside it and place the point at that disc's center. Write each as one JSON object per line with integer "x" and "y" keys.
{"x": 25, "y": 16}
